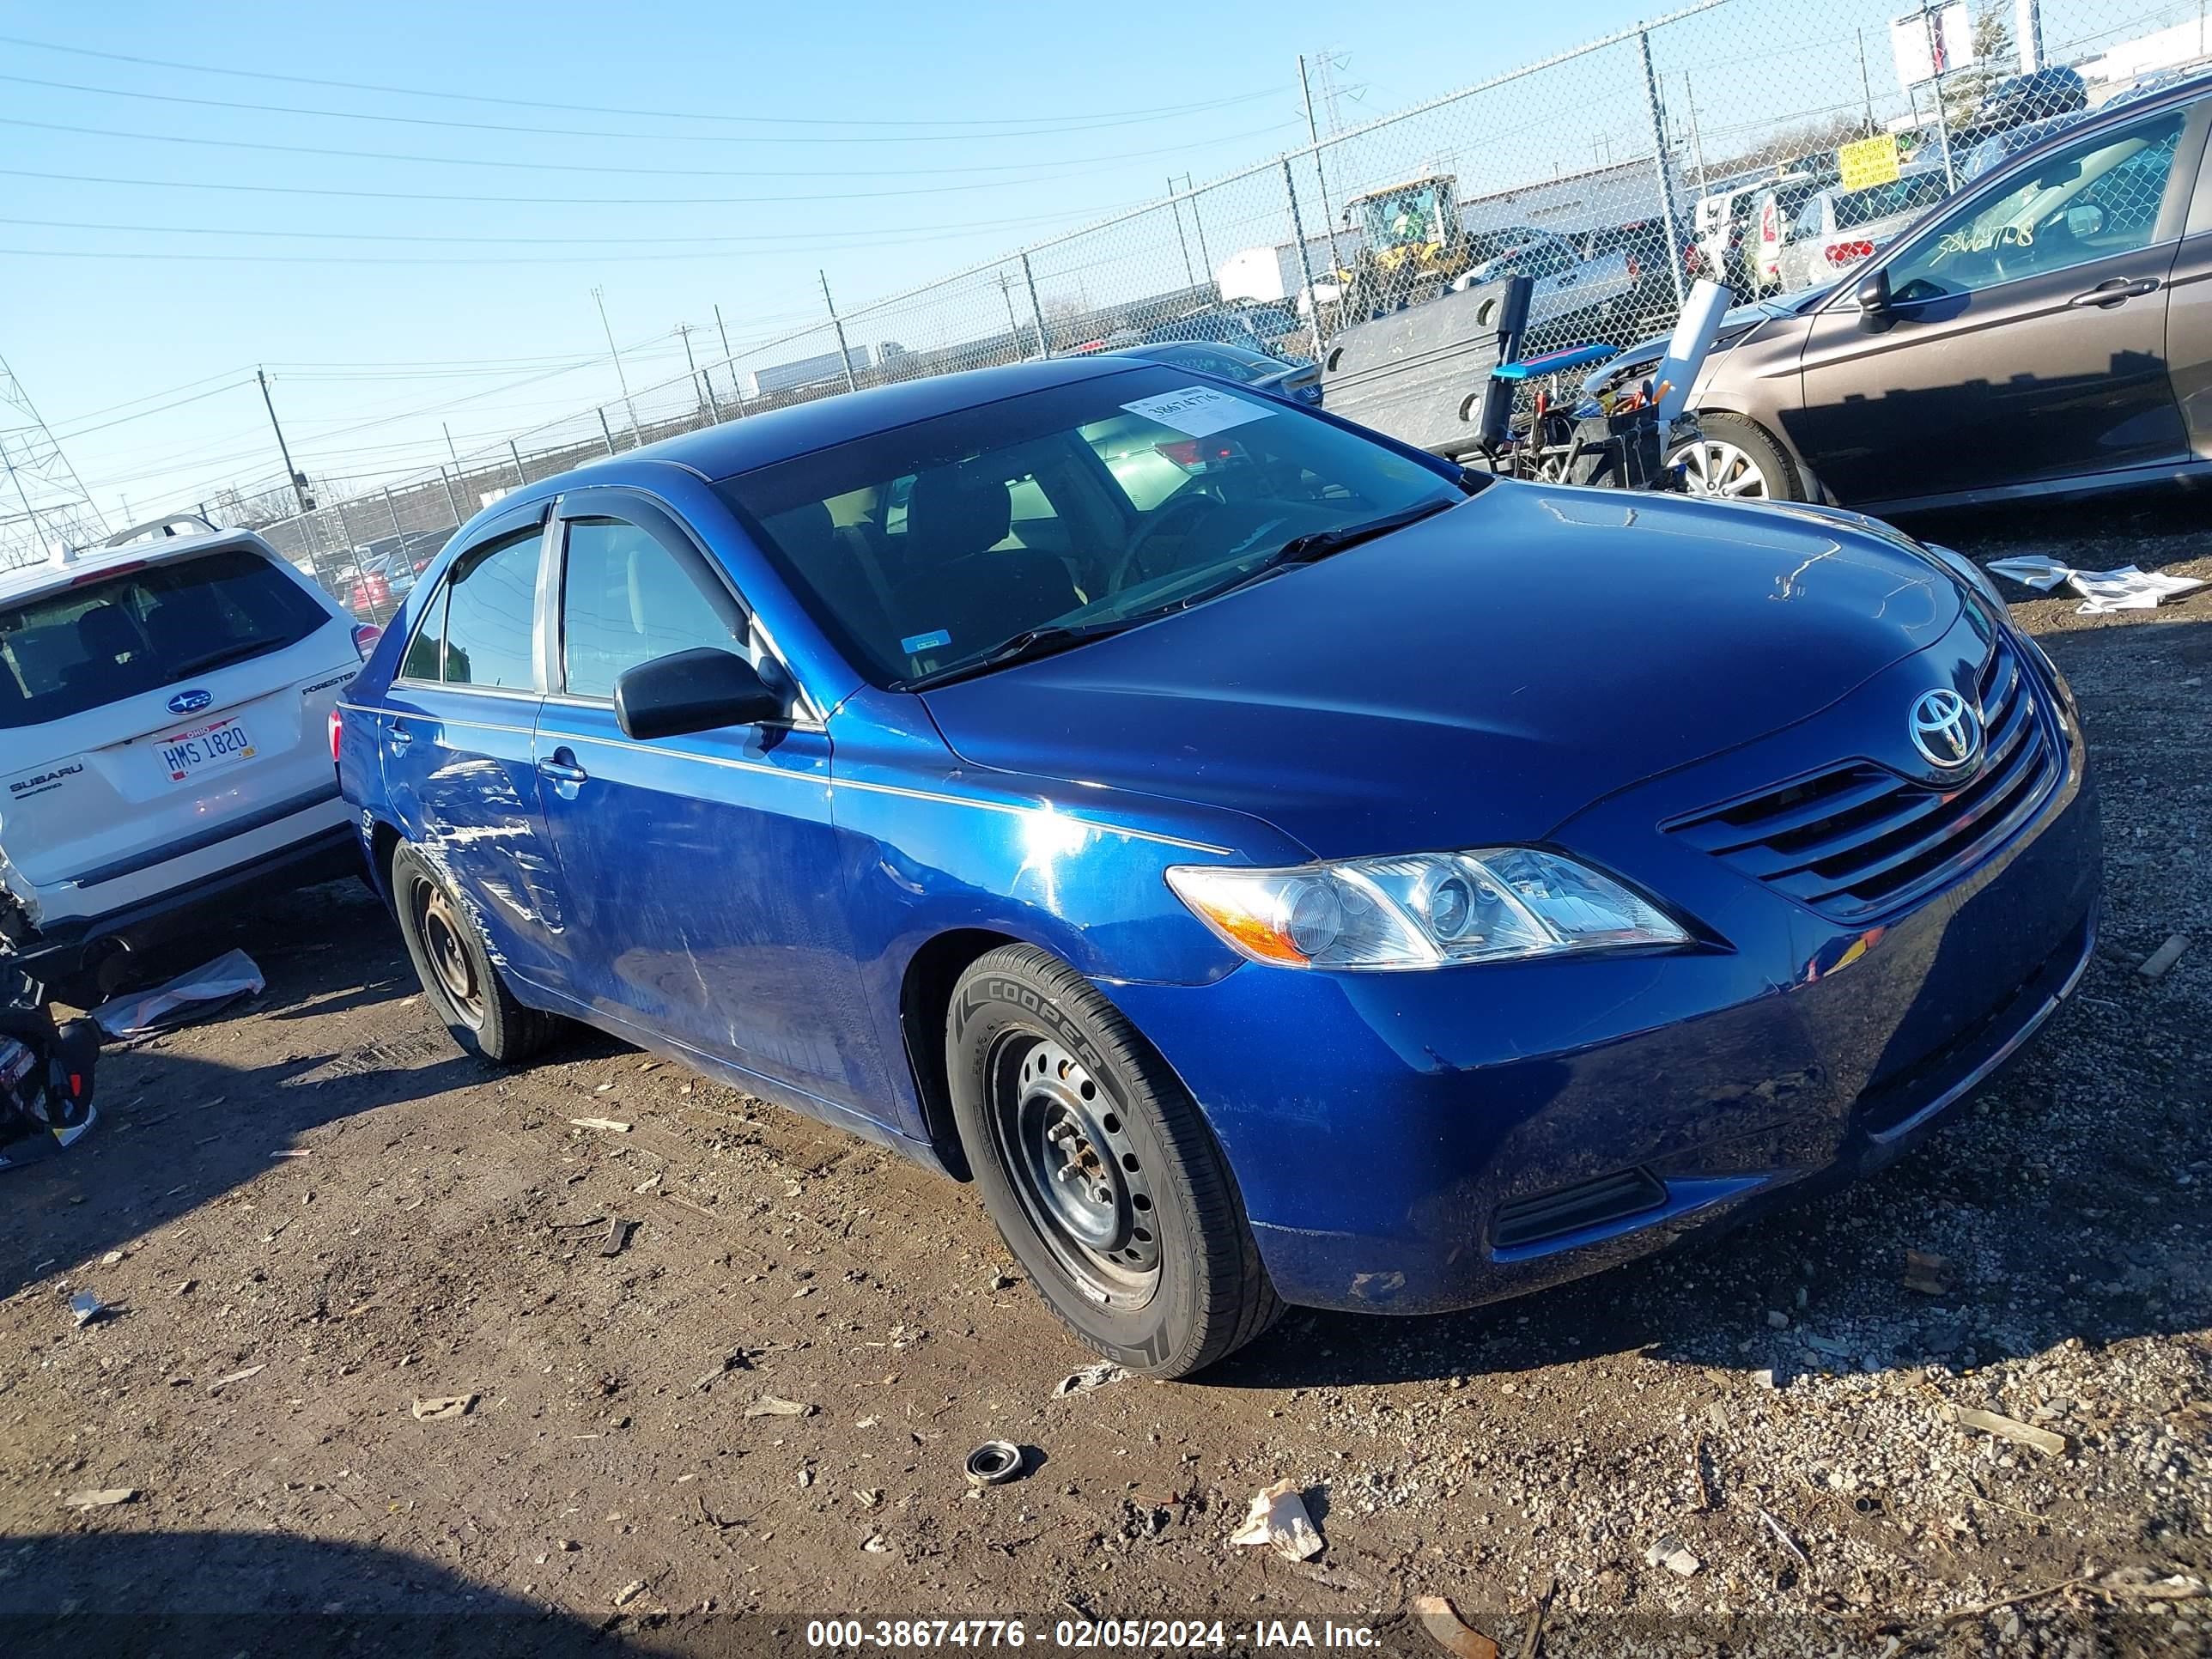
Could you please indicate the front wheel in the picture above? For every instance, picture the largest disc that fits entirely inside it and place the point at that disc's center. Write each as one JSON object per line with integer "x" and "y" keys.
{"x": 1732, "y": 459}
{"x": 1099, "y": 1170}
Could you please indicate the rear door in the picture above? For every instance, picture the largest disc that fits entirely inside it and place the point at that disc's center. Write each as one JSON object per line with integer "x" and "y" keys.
{"x": 455, "y": 737}
{"x": 705, "y": 894}
{"x": 149, "y": 714}
{"x": 2026, "y": 338}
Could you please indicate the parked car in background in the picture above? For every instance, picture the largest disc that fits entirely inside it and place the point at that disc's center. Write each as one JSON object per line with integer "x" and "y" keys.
{"x": 2046, "y": 331}
{"x": 1568, "y": 284}
{"x": 1772, "y": 209}
{"x": 1722, "y": 221}
{"x": 1299, "y": 380}
{"x": 2054, "y": 89}
{"x": 1989, "y": 152}
{"x": 1206, "y": 878}
{"x": 1255, "y": 327}
{"x": 164, "y": 704}
{"x": 1836, "y": 230}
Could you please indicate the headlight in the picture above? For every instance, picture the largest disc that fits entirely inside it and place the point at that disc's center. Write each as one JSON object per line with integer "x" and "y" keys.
{"x": 1971, "y": 573}
{"x": 1425, "y": 910}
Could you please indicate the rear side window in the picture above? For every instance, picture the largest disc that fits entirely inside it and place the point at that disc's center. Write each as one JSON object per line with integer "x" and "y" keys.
{"x": 137, "y": 631}
{"x": 479, "y": 626}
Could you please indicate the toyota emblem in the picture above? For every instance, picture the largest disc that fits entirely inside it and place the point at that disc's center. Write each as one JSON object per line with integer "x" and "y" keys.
{"x": 1946, "y": 729}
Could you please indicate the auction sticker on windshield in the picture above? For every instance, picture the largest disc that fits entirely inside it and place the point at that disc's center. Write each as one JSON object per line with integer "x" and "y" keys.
{"x": 209, "y": 748}
{"x": 1198, "y": 411}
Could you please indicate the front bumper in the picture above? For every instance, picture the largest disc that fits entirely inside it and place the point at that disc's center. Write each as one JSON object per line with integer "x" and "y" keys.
{"x": 1419, "y": 1142}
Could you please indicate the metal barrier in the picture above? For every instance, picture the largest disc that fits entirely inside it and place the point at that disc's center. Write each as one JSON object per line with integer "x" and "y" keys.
{"x": 1727, "y": 138}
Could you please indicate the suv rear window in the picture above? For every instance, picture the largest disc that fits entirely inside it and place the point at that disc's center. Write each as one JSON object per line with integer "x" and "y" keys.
{"x": 136, "y": 631}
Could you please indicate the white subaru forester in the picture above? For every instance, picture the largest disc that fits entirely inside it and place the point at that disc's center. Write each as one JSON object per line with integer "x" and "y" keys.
{"x": 165, "y": 701}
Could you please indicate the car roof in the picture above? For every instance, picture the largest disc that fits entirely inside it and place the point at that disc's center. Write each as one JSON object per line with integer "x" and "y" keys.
{"x": 52, "y": 575}
{"x": 783, "y": 435}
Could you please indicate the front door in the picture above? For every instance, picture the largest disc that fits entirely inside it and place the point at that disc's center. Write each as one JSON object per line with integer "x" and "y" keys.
{"x": 456, "y": 740}
{"x": 2024, "y": 338}
{"x": 704, "y": 895}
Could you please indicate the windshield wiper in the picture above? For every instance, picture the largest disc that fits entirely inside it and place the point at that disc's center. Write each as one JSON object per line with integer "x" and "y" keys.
{"x": 1025, "y": 646}
{"x": 1314, "y": 545}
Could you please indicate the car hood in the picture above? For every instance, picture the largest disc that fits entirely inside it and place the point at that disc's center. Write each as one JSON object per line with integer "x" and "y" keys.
{"x": 1479, "y": 676}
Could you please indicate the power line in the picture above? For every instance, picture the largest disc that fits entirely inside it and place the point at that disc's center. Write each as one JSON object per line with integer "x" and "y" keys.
{"x": 122, "y": 420}
{"x": 419, "y": 196}
{"x": 1127, "y": 118}
{"x": 334, "y": 152}
{"x": 574, "y": 108}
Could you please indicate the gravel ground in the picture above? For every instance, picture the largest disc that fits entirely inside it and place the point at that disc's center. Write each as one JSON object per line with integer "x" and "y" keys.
{"x": 1765, "y": 1446}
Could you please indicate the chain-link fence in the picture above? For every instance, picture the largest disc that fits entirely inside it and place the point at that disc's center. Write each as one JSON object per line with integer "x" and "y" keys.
{"x": 1766, "y": 143}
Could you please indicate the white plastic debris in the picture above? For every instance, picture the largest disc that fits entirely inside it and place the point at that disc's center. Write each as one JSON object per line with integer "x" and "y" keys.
{"x": 2128, "y": 589}
{"x": 230, "y": 975}
{"x": 1279, "y": 1517}
{"x": 1090, "y": 1377}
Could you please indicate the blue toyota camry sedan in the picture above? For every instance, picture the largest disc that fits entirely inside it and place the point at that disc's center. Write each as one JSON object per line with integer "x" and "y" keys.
{"x": 1275, "y": 866}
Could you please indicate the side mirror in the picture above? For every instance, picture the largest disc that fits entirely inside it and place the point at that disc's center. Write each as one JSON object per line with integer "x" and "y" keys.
{"x": 1874, "y": 294}
{"x": 698, "y": 690}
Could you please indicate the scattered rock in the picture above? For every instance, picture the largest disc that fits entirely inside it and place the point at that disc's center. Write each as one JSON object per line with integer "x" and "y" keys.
{"x": 1672, "y": 1554}
{"x": 437, "y": 1407}
{"x": 100, "y": 1497}
{"x": 770, "y": 1404}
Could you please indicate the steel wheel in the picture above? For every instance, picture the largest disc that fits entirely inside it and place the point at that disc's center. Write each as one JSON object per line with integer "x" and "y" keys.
{"x": 1081, "y": 1183}
{"x": 1712, "y": 467}
{"x": 442, "y": 934}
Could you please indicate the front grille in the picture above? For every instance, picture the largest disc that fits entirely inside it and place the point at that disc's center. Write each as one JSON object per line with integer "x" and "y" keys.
{"x": 1570, "y": 1209}
{"x": 1857, "y": 841}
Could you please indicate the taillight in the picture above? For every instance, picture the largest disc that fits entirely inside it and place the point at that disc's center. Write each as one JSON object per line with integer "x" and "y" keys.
{"x": 1848, "y": 253}
{"x": 365, "y": 636}
{"x": 338, "y": 732}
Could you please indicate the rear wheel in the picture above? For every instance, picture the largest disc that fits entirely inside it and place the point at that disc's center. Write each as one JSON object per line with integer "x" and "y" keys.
{"x": 1734, "y": 460}
{"x": 458, "y": 975}
{"x": 1099, "y": 1170}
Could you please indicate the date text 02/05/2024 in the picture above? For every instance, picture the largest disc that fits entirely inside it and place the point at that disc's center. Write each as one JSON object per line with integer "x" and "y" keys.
{"x": 1163, "y": 1634}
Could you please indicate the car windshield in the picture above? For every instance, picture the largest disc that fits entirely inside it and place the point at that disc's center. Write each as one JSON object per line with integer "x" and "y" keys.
{"x": 1093, "y": 505}
{"x": 138, "y": 631}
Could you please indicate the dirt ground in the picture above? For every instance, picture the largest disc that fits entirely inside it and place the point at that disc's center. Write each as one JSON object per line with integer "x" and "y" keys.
{"x": 312, "y": 1213}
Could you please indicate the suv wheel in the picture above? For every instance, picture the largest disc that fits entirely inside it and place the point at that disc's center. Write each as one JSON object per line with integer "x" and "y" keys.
{"x": 450, "y": 959}
{"x": 1732, "y": 459}
{"x": 1099, "y": 1170}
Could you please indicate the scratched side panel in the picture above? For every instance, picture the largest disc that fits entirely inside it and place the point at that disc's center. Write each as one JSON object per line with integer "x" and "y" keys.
{"x": 930, "y": 845}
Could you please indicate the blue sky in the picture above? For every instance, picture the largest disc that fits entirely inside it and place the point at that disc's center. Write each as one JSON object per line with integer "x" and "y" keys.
{"x": 1064, "y": 95}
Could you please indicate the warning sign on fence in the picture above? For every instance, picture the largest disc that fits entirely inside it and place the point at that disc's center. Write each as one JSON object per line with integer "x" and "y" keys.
{"x": 1869, "y": 161}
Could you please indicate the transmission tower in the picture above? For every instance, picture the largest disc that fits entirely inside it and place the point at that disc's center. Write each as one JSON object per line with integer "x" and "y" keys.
{"x": 43, "y": 503}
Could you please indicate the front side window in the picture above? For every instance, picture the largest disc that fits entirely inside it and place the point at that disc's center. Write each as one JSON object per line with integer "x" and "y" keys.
{"x": 626, "y": 599}
{"x": 2098, "y": 198}
{"x": 141, "y": 629}
{"x": 1092, "y": 505}
{"x": 492, "y": 614}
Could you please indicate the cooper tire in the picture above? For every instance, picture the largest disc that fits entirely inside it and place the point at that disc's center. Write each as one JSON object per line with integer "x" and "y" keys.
{"x": 1100, "y": 1171}
{"x": 460, "y": 981}
{"x": 1728, "y": 441}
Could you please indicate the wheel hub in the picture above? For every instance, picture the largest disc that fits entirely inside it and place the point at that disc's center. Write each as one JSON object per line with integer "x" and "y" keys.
{"x": 1710, "y": 467}
{"x": 449, "y": 957}
{"x": 1065, "y": 1143}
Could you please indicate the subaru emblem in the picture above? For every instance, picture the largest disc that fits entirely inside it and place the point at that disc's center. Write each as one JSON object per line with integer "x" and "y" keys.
{"x": 1946, "y": 729}
{"x": 191, "y": 702}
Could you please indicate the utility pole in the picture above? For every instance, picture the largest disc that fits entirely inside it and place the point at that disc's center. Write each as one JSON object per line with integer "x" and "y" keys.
{"x": 459, "y": 471}
{"x": 844, "y": 352}
{"x": 729, "y": 357}
{"x": 1189, "y": 276}
{"x": 1866, "y": 87}
{"x": 1014, "y": 328}
{"x": 298, "y": 491}
{"x": 1697, "y": 138}
{"x": 621, "y": 379}
{"x": 1205, "y": 258}
{"x": 684, "y": 333}
{"x": 1313, "y": 132}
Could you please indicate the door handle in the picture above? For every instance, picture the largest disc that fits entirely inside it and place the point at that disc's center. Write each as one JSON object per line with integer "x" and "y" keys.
{"x": 2107, "y": 295}
{"x": 400, "y": 737}
{"x": 561, "y": 767}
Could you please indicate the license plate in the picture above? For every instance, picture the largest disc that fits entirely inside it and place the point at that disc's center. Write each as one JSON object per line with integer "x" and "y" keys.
{"x": 209, "y": 748}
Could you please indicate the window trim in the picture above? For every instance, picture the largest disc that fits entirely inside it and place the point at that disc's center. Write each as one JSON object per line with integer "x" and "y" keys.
{"x": 2172, "y": 215}
{"x": 629, "y": 504}
{"x": 507, "y": 526}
